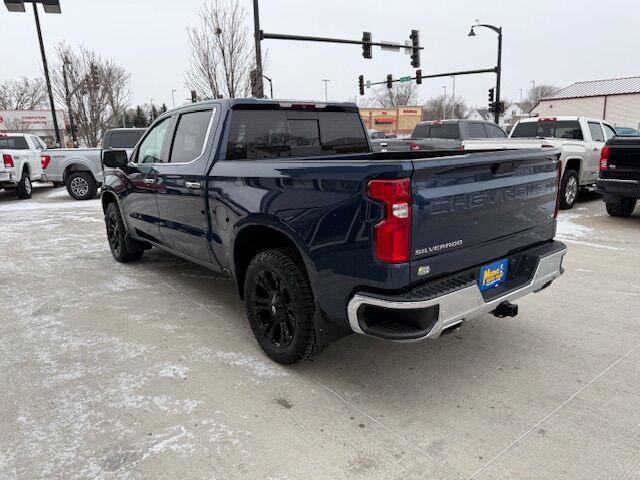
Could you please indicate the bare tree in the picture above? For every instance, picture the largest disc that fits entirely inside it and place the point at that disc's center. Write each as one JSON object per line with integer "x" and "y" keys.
{"x": 23, "y": 94}
{"x": 220, "y": 50}
{"x": 440, "y": 107}
{"x": 535, "y": 94}
{"x": 96, "y": 91}
{"x": 401, "y": 94}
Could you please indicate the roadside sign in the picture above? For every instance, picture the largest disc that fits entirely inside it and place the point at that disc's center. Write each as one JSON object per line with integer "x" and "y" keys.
{"x": 368, "y": 84}
{"x": 390, "y": 46}
{"x": 404, "y": 79}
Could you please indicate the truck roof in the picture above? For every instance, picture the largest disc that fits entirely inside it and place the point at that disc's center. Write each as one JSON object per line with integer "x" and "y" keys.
{"x": 559, "y": 117}
{"x": 230, "y": 103}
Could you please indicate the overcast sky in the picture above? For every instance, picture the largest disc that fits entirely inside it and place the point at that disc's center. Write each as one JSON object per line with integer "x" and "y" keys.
{"x": 549, "y": 41}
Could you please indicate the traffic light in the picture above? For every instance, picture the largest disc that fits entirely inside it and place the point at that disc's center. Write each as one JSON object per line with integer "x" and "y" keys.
{"x": 389, "y": 81}
{"x": 194, "y": 96}
{"x": 491, "y": 95}
{"x": 366, "y": 46}
{"x": 415, "y": 48}
{"x": 93, "y": 74}
{"x": 418, "y": 77}
{"x": 361, "y": 84}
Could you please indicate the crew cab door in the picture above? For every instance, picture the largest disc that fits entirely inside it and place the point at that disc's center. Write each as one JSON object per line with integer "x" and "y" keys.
{"x": 139, "y": 202}
{"x": 181, "y": 184}
{"x": 593, "y": 151}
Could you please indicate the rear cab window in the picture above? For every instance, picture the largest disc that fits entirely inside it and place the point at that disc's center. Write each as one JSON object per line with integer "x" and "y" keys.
{"x": 13, "y": 143}
{"x": 263, "y": 134}
{"x": 567, "y": 129}
{"x": 596, "y": 132}
{"x": 124, "y": 139}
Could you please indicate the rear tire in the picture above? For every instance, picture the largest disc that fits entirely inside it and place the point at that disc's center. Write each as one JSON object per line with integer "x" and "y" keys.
{"x": 24, "y": 189}
{"x": 119, "y": 239}
{"x": 280, "y": 306}
{"x": 569, "y": 189}
{"x": 624, "y": 208}
{"x": 82, "y": 186}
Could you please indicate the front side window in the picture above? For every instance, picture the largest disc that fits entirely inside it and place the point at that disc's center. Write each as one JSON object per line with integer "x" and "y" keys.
{"x": 596, "y": 132}
{"x": 191, "y": 131}
{"x": 449, "y": 131}
{"x": 150, "y": 150}
{"x": 278, "y": 133}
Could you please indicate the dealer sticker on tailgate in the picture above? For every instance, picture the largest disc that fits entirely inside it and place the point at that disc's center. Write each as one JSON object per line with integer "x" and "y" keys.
{"x": 493, "y": 274}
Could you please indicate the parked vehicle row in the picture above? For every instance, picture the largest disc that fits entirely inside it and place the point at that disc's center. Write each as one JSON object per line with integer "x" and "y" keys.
{"x": 323, "y": 237}
{"x": 80, "y": 169}
{"x": 25, "y": 159}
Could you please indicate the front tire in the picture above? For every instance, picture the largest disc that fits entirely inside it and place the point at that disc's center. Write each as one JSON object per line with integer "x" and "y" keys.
{"x": 119, "y": 240}
{"x": 569, "y": 189}
{"x": 82, "y": 186}
{"x": 280, "y": 306}
{"x": 623, "y": 208}
{"x": 24, "y": 189}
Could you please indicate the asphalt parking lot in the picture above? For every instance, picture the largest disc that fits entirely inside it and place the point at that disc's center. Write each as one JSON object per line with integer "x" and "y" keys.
{"x": 149, "y": 370}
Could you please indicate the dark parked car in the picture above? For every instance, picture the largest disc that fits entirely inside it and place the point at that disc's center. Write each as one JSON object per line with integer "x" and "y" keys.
{"x": 619, "y": 180}
{"x": 324, "y": 238}
{"x": 627, "y": 132}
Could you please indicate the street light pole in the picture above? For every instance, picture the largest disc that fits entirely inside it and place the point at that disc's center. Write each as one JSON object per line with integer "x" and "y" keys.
{"x": 72, "y": 125}
{"x": 444, "y": 103}
{"x": 453, "y": 98}
{"x": 498, "y": 30}
{"x": 270, "y": 84}
{"x": 46, "y": 76}
{"x": 173, "y": 98}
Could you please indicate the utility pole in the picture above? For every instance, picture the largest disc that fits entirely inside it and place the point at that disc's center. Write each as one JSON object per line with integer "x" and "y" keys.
{"x": 326, "y": 96}
{"x": 444, "y": 103}
{"x": 258, "y": 89}
{"x": 72, "y": 125}
{"x": 453, "y": 98}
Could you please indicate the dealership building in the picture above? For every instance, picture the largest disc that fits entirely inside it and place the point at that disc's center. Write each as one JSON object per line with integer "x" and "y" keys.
{"x": 395, "y": 120}
{"x": 616, "y": 100}
{"x": 37, "y": 122}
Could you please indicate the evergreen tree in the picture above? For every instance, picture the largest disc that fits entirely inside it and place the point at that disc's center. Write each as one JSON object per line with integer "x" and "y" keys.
{"x": 163, "y": 108}
{"x": 154, "y": 113}
{"x": 140, "y": 119}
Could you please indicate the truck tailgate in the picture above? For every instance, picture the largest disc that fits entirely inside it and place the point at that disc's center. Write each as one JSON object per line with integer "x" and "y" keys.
{"x": 472, "y": 209}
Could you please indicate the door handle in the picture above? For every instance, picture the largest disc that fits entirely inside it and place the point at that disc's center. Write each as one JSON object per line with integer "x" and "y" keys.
{"x": 149, "y": 181}
{"x": 192, "y": 185}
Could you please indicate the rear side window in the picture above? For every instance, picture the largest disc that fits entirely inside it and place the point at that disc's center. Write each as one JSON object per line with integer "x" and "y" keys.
{"x": 609, "y": 132}
{"x": 188, "y": 141}
{"x": 476, "y": 130}
{"x": 13, "y": 143}
{"x": 124, "y": 139}
{"x": 280, "y": 133}
{"x": 568, "y": 129}
{"x": 596, "y": 132}
{"x": 421, "y": 131}
{"x": 449, "y": 131}
{"x": 494, "y": 131}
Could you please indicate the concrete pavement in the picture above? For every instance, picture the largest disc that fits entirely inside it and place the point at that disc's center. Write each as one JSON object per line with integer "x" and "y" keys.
{"x": 149, "y": 370}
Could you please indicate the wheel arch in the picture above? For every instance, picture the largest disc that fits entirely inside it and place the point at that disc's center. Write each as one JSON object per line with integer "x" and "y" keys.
{"x": 573, "y": 163}
{"x": 75, "y": 167}
{"x": 245, "y": 247}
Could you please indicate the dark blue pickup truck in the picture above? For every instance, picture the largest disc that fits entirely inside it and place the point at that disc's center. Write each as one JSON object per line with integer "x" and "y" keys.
{"x": 323, "y": 237}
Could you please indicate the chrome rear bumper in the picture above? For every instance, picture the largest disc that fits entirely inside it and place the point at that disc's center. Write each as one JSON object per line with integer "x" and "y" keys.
{"x": 462, "y": 304}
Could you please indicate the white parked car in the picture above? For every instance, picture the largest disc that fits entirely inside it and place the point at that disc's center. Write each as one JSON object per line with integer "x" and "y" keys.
{"x": 21, "y": 162}
{"x": 579, "y": 139}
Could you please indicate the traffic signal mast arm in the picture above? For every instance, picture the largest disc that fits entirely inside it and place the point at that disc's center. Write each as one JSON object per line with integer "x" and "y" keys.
{"x": 435, "y": 75}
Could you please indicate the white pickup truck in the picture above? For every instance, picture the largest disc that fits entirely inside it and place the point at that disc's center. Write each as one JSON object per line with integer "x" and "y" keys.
{"x": 21, "y": 162}
{"x": 579, "y": 139}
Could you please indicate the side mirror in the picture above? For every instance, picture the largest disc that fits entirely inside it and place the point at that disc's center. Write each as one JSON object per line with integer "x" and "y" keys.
{"x": 115, "y": 158}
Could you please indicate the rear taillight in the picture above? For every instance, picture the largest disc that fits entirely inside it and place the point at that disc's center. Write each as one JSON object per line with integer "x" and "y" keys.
{"x": 45, "y": 160}
{"x": 414, "y": 147}
{"x": 604, "y": 158}
{"x": 391, "y": 236}
{"x": 8, "y": 160}
{"x": 559, "y": 185}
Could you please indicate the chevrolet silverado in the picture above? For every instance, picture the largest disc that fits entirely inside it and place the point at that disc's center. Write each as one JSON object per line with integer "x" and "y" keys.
{"x": 323, "y": 237}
